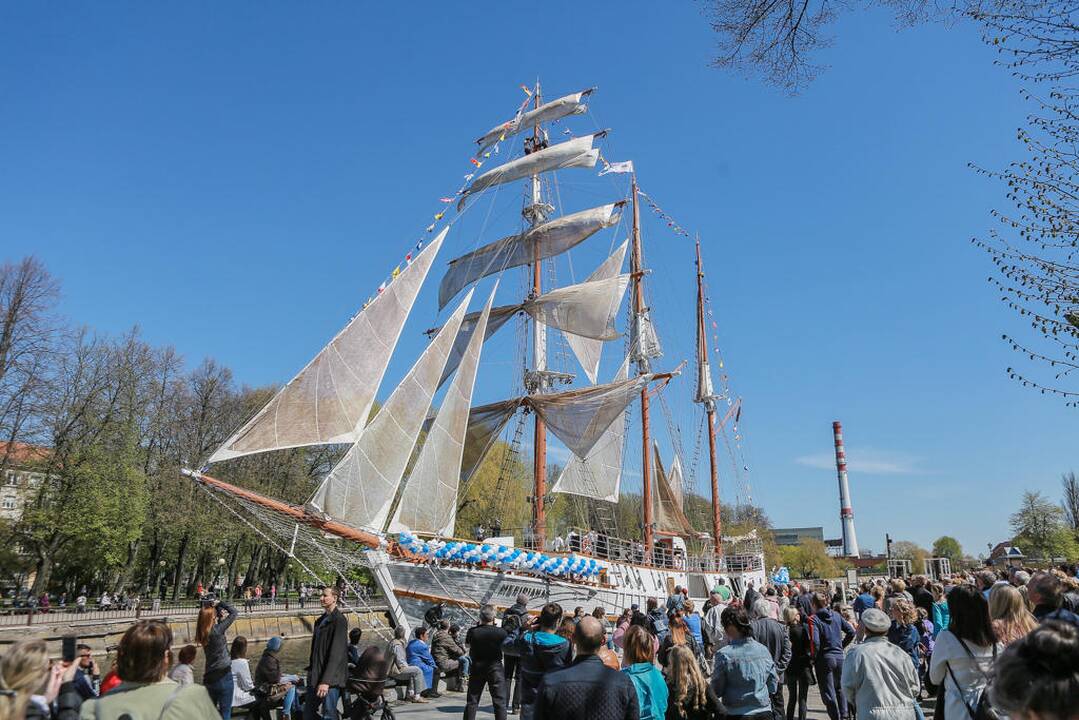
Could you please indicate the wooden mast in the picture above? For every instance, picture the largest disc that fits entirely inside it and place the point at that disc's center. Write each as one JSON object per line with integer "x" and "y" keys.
{"x": 539, "y": 366}
{"x": 646, "y": 442}
{"x": 710, "y": 407}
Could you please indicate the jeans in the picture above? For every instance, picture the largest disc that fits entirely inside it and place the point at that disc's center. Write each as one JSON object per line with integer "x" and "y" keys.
{"x": 315, "y": 707}
{"x": 829, "y": 671}
{"x": 798, "y": 694}
{"x": 777, "y": 703}
{"x": 466, "y": 664}
{"x": 220, "y": 692}
{"x": 513, "y": 688}
{"x": 493, "y": 676}
{"x": 290, "y": 706}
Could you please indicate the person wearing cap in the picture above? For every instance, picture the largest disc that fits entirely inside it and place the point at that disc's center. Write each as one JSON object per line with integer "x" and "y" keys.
{"x": 878, "y": 676}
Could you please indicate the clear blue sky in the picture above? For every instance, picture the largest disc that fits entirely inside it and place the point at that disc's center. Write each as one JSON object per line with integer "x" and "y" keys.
{"x": 236, "y": 178}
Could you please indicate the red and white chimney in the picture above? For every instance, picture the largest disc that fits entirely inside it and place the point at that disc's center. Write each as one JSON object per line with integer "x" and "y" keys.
{"x": 846, "y": 511}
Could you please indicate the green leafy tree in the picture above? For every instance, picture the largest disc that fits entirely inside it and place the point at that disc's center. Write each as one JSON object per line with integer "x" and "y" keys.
{"x": 948, "y": 547}
{"x": 808, "y": 559}
{"x": 1040, "y": 529}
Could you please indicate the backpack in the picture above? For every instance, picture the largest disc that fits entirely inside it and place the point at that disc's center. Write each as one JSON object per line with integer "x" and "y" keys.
{"x": 511, "y": 622}
{"x": 657, "y": 625}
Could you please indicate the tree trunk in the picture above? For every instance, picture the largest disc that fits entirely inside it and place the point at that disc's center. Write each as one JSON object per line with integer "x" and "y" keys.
{"x": 152, "y": 569}
{"x": 123, "y": 576}
{"x": 252, "y": 566}
{"x": 181, "y": 558}
{"x": 230, "y": 579}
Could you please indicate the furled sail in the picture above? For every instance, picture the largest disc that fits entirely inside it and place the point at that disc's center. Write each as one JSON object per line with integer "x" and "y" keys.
{"x": 429, "y": 500}
{"x": 574, "y": 153}
{"x": 361, "y": 487}
{"x": 587, "y": 349}
{"x": 329, "y": 400}
{"x": 644, "y": 341}
{"x": 670, "y": 517}
{"x": 704, "y": 393}
{"x": 580, "y": 417}
{"x": 600, "y": 474}
{"x": 543, "y": 241}
{"x": 548, "y": 112}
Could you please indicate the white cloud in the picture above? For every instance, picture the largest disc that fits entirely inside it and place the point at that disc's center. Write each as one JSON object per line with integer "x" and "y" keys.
{"x": 868, "y": 461}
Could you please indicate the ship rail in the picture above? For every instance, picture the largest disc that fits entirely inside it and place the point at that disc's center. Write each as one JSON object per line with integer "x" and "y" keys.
{"x": 742, "y": 554}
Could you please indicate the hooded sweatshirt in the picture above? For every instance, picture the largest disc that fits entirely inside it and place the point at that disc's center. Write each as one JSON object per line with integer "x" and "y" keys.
{"x": 829, "y": 633}
{"x": 540, "y": 652}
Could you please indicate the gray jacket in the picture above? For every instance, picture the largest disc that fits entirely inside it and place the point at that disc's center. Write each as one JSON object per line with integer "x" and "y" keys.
{"x": 164, "y": 700}
{"x": 880, "y": 679}
{"x": 774, "y": 636}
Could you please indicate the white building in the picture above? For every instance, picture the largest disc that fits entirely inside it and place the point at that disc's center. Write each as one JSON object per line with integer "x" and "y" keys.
{"x": 21, "y": 478}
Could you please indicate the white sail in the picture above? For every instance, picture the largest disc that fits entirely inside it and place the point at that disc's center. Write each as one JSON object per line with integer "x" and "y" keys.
{"x": 574, "y": 153}
{"x": 429, "y": 501}
{"x": 361, "y": 487}
{"x": 498, "y": 317}
{"x": 484, "y": 425}
{"x": 670, "y": 516}
{"x": 588, "y": 350}
{"x": 543, "y": 241}
{"x": 587, "y": 309}
{"x": 580, "y": 417}
{"x": 600, "y": 474}
{"x": 548, "y": 112}
{"x": 329, "y": 400}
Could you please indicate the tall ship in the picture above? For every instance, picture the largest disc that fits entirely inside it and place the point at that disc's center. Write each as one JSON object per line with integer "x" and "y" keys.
{"x": 586, "y": 430}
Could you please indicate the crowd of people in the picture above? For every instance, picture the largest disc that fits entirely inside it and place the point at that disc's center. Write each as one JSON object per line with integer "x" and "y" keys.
{"x": 978, "y": 643}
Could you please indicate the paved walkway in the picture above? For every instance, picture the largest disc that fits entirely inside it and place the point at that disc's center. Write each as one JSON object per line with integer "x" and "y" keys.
{"x": 452, "y": 705}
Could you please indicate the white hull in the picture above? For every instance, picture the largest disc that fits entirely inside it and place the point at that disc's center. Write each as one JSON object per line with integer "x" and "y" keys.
{"x": 464, "y": 590}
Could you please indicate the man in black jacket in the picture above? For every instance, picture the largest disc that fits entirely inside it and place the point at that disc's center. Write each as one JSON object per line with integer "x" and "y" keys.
{"x": 485, "y": 648}
{"x": 539, "y": 650}
{"x": 773, "y": 635}
{"x": 587, "y": 689}
{"x": 328, "y": 672}
{"x": 513, "y": 618}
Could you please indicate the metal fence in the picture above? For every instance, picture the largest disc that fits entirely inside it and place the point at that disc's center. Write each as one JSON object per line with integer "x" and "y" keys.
{"x": 31, "y": 615}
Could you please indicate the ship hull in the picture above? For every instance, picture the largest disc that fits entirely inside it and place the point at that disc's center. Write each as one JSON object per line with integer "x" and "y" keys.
{"x": 463, "y": 590}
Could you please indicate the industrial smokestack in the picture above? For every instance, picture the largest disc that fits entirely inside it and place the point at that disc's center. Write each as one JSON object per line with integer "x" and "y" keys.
{"x": 846, "y": 511}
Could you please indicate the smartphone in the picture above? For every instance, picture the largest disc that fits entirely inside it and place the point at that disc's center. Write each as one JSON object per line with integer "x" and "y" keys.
{"x": 69, "y": 648}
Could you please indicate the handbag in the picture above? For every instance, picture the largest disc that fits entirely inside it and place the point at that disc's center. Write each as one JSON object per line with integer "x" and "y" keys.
{"x": 984, "y": 709}
{"x": 277, "y": 692}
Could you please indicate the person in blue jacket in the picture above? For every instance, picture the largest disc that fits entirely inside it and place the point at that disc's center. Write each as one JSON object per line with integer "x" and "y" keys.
{"x": 539, "y": 650}
{"x": 903, "y": 631}
{"x": 829, "y": 633}
{"x": 419, "y": 654}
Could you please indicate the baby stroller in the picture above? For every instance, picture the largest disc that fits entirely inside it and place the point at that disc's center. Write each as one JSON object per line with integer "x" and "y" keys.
{"x": 366, "y": 686}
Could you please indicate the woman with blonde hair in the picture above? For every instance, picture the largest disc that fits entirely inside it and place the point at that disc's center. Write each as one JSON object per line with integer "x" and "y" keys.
{"x": 210, "y": 634}
{"x": 679, "y": 635}
{"x": 689, "y": 696}
{"x": 1008, "y": 611}
{"x": 29, "y": 684}
{"x": 647, "y": 680}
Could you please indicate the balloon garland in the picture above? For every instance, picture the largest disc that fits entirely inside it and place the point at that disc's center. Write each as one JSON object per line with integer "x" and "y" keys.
{"x": 501, "y": 556}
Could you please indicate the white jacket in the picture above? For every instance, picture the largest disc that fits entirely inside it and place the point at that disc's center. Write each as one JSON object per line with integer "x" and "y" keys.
{"x": 880, "y": 679}
{"x": 242, "y": 683}
{"x": 969, "y": 673}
